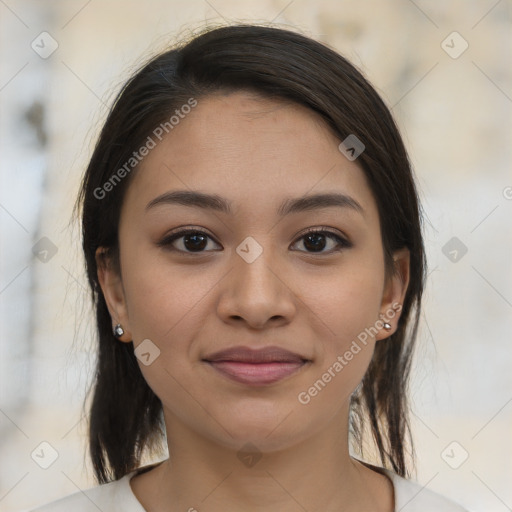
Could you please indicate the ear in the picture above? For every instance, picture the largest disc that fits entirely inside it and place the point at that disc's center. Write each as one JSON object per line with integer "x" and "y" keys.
{"x": 112, "y": 286}
{"x": 394, "y": 292}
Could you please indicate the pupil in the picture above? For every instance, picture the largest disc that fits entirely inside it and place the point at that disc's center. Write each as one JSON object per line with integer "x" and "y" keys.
{"x": 315, "y": 238}
{"x": 198, "y": 241}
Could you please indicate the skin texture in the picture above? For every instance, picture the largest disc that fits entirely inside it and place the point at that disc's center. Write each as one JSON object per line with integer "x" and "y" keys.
{"x": 256, "y": 153}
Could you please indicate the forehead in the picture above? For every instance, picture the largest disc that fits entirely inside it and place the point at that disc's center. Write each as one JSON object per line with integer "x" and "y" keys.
{"x": 251, "y": 150}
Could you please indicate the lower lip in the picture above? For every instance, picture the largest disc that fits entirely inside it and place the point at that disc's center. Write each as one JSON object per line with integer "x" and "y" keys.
{"x": 256, "y": 374}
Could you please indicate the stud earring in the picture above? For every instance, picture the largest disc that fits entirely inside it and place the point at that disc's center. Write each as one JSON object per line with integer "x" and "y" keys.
{"x": 387, "y": 326}
{"x": 118, "y": 331}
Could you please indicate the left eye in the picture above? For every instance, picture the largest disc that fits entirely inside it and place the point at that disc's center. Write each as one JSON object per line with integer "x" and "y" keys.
{"x": 196, "y": 241}
{"x": 316, "y": 240}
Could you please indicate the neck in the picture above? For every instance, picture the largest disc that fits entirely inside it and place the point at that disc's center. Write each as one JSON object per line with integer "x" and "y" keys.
{"x": 315, "y": 474}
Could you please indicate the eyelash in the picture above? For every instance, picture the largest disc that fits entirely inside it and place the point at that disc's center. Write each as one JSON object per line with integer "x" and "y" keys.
{"x": 170, "y": 238}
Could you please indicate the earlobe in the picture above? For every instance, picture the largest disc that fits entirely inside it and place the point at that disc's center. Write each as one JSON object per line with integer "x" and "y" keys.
{"x": 112, "y": 287}
{"x": 394, "y": 293}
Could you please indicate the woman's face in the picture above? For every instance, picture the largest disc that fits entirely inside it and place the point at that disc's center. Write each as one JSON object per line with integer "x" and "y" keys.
{"x": 252, "y": 278}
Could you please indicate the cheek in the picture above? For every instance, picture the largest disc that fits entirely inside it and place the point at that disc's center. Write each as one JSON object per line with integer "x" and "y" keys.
{"x": 166, "y": 305}
{"x": 348, "y": 305}
{"x": 347, "y": 302}
{"x": 163, "y": 299}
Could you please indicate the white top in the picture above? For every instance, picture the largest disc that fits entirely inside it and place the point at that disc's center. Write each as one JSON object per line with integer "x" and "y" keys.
{"x": 117, "y": 496}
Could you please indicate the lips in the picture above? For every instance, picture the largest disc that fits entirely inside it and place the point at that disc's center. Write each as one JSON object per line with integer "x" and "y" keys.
{"x": 256, "y": 367}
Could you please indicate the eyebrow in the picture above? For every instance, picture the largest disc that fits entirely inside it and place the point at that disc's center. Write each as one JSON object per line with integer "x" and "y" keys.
{"x": 292, "y": 205}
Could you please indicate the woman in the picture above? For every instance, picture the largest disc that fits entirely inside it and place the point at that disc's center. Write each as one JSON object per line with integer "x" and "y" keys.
{"x": 252, "y": 238}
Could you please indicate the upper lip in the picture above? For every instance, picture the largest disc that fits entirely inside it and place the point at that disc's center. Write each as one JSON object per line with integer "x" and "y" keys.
{"x": 259, "y": 355}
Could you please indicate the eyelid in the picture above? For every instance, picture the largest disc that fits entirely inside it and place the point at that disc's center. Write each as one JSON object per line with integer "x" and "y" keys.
{"x": 323, "y": 229}
{"x": 177, "y": 233}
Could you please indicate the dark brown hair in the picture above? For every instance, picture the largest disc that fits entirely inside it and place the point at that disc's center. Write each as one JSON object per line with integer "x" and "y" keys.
{"x": 126, "y": 416}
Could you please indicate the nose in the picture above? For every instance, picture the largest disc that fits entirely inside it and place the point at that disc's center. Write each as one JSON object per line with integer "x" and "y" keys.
{"x": 257, "y": 293}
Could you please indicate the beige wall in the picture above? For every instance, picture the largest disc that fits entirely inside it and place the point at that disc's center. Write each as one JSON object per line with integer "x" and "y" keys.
{"x": 455, "y": 115}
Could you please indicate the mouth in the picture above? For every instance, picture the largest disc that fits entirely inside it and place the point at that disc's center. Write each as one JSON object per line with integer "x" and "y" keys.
{"x": 256, "y": 367}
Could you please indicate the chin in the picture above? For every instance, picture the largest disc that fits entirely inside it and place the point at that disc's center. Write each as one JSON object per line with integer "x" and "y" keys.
{"x": 269, "y": 428}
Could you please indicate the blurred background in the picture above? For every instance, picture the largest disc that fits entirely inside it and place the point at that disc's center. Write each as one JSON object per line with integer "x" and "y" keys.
{"x": 444, "y": 70}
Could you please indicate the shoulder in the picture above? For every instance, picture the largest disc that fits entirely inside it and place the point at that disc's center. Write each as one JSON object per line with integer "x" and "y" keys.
{"x": 112, "y": 497}
{"x": 410, "y": 496}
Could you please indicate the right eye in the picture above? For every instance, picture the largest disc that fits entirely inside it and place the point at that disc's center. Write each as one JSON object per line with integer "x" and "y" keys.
{"x": 190, "y": 241}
